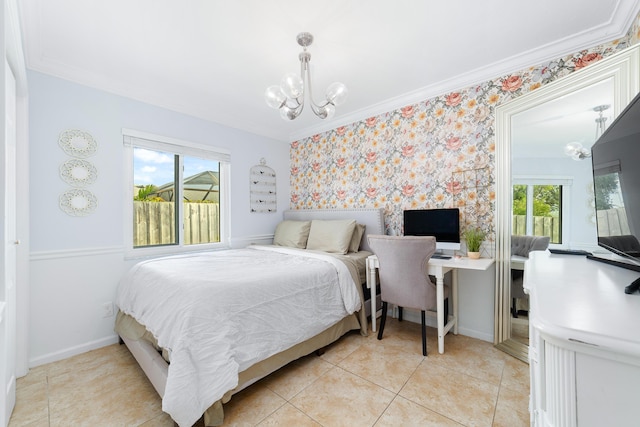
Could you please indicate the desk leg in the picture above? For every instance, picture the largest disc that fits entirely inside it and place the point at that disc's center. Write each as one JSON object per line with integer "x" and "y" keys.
{"x": 454, "y": 285}
{"x": 372, "y": 285}
{"x": 440, "y": 311}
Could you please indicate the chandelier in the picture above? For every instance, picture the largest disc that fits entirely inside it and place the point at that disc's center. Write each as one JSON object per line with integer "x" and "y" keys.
{"x": 575, "y": 150}
{"x": 289, "y": 96}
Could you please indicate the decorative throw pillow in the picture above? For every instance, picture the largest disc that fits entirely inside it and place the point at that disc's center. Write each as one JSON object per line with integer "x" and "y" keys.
{"x": 292, "y": 233}
{"x": 332, "y": 236}
{"x": 356, "y": 238}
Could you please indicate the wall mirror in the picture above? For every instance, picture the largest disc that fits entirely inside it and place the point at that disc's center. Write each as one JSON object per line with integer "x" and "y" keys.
{"x": 532, "y": 136}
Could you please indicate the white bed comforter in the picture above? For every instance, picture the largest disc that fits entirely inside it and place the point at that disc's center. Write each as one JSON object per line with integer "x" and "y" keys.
{"x": 220, "y": 312}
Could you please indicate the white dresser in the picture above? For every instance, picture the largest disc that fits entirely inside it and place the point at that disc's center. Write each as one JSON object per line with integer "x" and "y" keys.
{"x": 584, "y": 349}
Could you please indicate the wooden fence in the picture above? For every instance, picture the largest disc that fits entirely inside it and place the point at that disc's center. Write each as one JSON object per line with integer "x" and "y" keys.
{"x": 154, "y": 223}
{"x": 542, "y": 226}
{"x": 613, "y": 222}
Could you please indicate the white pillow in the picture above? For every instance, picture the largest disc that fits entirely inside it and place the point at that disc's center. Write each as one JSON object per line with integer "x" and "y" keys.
{"x": 292, "y": 234}
{"x": 354, "y": 246}
{"x": 333, "y": 236}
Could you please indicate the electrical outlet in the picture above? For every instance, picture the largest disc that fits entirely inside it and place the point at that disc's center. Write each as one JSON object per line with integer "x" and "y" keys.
{"x": 107, "y": 309}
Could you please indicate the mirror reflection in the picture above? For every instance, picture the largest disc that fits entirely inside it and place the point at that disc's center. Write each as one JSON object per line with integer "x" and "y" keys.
{"x": 551, "y": 180}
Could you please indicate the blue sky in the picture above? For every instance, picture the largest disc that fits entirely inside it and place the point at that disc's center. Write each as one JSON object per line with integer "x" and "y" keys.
{"x": 156, "y": 167}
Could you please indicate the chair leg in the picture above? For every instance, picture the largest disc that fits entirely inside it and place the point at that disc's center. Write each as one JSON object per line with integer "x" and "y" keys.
{"x": 399, "y": 314}
{"x": 424, "y": 334}
{"x": 383, "y": 319}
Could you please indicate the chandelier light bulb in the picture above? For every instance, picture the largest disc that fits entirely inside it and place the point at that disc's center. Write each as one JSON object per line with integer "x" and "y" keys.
{"x": 336, "y": 93}
{"x": 329, "y": 110}
{"x": 572, "y": 148}
{"x": 576, "y": 151}
{"x": 274, "y": 96}
{"x": 287, "y": 113}
{"x": 292, "y": 86}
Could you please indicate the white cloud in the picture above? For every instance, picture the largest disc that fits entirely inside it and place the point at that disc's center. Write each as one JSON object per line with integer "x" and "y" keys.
{"x": 149, "y": 156}
{"x": 142, "y": 179}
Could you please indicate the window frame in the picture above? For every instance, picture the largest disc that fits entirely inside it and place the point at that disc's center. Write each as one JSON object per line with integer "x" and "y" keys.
{"x": 137, "y": 139}
{"x": 565, "y": 182}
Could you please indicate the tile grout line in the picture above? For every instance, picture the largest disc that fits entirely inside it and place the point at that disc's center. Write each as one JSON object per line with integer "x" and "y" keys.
{"x": 495, "y": 406}
{"x": 48, "y": 400}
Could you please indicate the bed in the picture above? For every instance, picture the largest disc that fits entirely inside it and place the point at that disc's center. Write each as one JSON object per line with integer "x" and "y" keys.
{"x": 199, "y": 341}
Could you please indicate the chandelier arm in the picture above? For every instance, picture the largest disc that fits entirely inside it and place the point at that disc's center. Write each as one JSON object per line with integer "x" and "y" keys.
{"x": 318, "y": 109}
{"x": 293, "y": 104}
{"x": 298, "y": 110}
{"x": 292, "y": 111}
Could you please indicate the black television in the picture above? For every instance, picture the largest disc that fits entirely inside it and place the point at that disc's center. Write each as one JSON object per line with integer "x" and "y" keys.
{"x": 443, "y": 224}
{"x": 615, "y": 159}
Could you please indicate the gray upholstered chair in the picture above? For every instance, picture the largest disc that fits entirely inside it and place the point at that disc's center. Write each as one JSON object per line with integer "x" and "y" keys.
{"x": 404, "y": 280}
{"x": 521, "y": 246}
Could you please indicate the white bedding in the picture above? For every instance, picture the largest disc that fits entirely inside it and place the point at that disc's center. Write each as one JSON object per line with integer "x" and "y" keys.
{"x": 220, "y": 312}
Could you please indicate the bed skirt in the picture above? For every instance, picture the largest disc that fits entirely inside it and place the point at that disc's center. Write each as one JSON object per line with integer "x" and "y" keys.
{"x": 133, "y": 333}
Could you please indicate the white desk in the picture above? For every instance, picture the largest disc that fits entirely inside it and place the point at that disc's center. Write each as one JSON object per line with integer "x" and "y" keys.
{"x": 437, "y": 268}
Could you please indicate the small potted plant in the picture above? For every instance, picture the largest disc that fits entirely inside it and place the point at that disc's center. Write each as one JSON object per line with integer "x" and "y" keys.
{"x": 474, "y": 236}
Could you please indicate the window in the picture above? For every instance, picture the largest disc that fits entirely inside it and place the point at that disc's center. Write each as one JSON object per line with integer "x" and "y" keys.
{"x": 177, "y": 198}
{"x": 538, "y": 207}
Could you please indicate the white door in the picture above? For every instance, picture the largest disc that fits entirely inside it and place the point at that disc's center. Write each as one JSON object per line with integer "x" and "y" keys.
{"x": 8, "y": 253}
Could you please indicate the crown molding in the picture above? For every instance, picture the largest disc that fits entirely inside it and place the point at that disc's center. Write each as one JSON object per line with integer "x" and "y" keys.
{"x": 617, "y": 27}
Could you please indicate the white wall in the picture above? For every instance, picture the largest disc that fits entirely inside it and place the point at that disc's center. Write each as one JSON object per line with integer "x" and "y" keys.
{"x": 76, "y": 262}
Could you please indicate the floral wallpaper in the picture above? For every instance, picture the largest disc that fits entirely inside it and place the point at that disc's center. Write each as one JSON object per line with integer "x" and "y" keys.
{"x": 438, "y": 153}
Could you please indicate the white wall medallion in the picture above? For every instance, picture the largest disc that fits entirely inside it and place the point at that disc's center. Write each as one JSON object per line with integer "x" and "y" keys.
{"x": 78, "y": 202}
{"x": 263, "y": 188}
{"x": 78, "y": 173}
{"x": 77, "y": 143}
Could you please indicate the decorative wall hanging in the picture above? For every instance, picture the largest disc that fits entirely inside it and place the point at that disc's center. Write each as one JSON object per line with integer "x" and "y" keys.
{"x": 78, "y": 173}
{"x": 470, "y": 194}
{"x": 77, "y": 143}
{"x": 78, "y": 202}
{"x": 263, "y": 188}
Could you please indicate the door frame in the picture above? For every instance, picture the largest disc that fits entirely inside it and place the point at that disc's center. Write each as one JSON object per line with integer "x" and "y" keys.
{"x": 14, "y": 55}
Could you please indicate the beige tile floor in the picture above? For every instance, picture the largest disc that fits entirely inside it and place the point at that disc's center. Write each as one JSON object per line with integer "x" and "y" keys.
{"x": 358, "y": 381}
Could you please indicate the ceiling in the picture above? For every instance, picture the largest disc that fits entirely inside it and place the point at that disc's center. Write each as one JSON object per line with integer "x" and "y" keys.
{"x": 544, "y": 131}
{"x": 213, "y": 59}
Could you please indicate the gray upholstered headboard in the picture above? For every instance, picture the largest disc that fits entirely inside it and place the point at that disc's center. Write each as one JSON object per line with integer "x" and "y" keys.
{"x": 373, "y": 219}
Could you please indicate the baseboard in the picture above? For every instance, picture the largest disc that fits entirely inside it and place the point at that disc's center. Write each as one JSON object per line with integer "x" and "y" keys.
{"x": 431, "y": 321}
{"x": 476, "y": 334}
{"x": 10, "y": 403}
{"x": 73, "y": 351}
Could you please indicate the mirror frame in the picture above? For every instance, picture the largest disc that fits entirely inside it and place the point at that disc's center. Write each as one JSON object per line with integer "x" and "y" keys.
{"x": 623, "y": 67}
